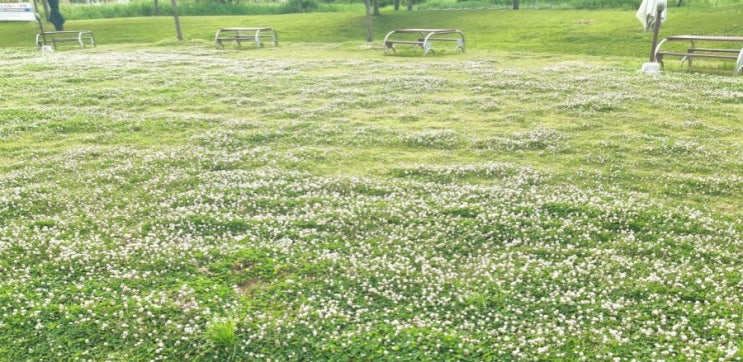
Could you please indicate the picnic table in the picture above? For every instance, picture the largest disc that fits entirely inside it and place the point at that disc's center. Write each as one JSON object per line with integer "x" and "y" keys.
{"x": 732, "y": 52}
{"x": 238, "y": 35}
{"x": 423, "y": 38}
{"x": 78, "y": 36}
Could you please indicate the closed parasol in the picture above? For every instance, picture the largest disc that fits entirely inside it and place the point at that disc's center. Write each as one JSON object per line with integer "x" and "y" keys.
{"x": 648, "y": 13}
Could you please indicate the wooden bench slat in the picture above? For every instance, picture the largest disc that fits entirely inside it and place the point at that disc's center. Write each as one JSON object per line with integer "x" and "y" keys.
{"x": 715, "y": 50}
{"x": 698, "y": 55}
{"x": 445, "y": 39}
{"x": 403, "y": 42}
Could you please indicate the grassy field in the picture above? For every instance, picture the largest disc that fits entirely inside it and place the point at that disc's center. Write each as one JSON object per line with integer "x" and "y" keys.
{"x": 599, "y": 33}
{"x": 533, "y": 199}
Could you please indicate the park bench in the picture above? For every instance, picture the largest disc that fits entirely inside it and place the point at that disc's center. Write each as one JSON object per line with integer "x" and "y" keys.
{"x": 54, "y": 37}
{"x": 238, "y": 35}
{"x": 735, "y": 52}
{"x": 423, "y": 38}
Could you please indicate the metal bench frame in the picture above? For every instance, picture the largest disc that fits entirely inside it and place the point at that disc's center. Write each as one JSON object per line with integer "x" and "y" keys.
{"x": 425, "y": 39}
{"x": 238, "y": 35}
{"x": 54, "y": 37}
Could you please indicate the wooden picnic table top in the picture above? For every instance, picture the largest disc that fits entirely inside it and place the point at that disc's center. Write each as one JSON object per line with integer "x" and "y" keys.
{"x": 695, "y": 52}
{"x": 705, "y": 38}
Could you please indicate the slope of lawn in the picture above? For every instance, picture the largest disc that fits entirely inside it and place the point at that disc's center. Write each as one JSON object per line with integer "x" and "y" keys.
{"x": 535, "y": 198}
{"x": 610, "y": 32}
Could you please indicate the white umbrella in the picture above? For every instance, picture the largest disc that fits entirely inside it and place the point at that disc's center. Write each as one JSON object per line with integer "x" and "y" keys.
{"x": 648, "y": 12}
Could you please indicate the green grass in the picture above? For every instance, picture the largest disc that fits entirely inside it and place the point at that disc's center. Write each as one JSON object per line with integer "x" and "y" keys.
{"x": 535, "y": 198}
{"x": 599, "y": 33}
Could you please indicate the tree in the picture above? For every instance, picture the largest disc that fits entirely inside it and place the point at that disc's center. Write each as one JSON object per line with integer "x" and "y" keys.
{"x": 178, "y": 32}
{"x": 367, "y": 5}
{"x": 516, "y": 4}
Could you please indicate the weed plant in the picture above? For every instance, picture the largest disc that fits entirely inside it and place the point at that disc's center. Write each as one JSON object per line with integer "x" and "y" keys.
{"x": 313, "y": 203}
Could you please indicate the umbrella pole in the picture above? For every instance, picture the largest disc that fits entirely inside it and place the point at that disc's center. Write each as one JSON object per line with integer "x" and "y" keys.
{"x": 656, "y": 28}
{"x": 38, "y": 18}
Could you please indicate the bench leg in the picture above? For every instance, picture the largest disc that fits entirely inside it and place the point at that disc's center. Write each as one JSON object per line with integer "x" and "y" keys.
{"x": 687, "y": 59}
{"x": 460, "y": 45}
{"x": 388, "y": 46}
{"x": 427, "y": 48}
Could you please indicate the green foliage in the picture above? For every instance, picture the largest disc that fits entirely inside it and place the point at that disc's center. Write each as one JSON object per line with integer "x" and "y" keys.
{"x": 139, "y": 8}
{"x": 222, "y": 334}
{"x": 299, "y": 6}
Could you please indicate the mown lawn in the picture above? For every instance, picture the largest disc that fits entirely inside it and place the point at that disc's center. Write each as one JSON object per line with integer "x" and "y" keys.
{"x": 321, "y": 201}
{"x": 564, "y": 32}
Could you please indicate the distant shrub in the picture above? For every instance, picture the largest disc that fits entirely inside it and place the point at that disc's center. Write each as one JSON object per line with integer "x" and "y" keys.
{"x": 299, "y": 6}
{"x": 140, "y": 8}
{"x": 107, "y": 11}
{"x": 84, "y": 9}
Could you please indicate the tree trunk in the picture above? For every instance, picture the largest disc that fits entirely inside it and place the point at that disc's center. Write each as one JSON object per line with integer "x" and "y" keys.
{"x": 516, "y": 4}
{"x": 178, "y": 32}
{"x": 157, "y": 8}
{"x": 397, "y": 5}
{"x": 376, "y": 7}
{"x": 368, "y": 21}
{"x": 410, "y": 5}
